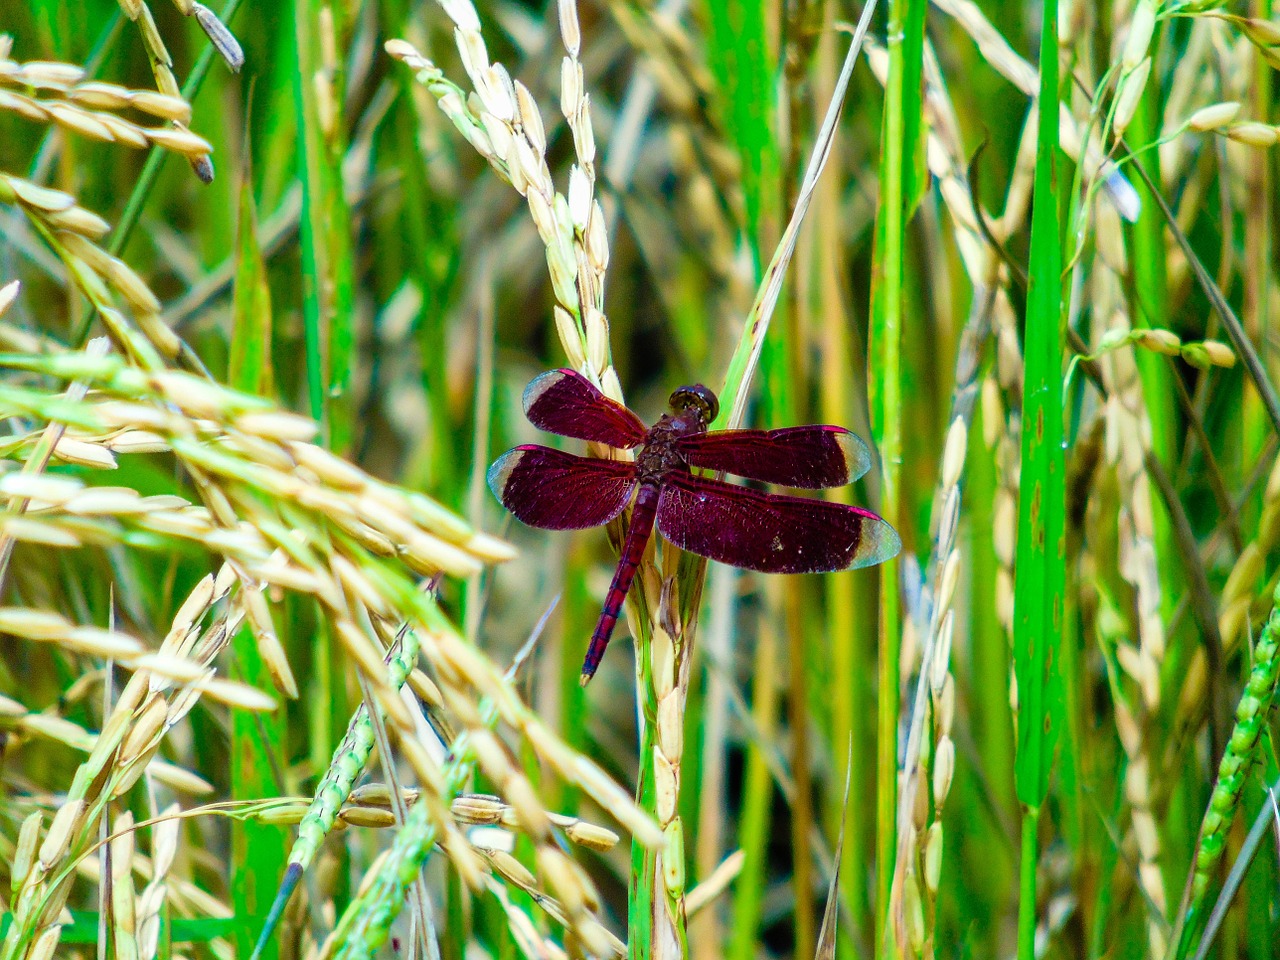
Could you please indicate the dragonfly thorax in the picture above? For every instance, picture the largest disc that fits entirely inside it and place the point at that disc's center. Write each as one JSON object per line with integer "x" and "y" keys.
{"x": 660, "y": 454}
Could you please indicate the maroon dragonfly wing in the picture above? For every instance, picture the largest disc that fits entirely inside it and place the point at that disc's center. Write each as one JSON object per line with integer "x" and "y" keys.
{"x": 567, "y": 403}
{"x": 770, "y": 532}
{"x": 558, "y": 491}
{"x": 808, "y": 457}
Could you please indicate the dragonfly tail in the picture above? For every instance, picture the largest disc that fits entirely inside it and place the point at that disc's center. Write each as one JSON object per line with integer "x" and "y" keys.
{"x": 642, "y": 515}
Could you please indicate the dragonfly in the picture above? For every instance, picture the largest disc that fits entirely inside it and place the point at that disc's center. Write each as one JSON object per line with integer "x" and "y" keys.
{"x": 725, "y": 522}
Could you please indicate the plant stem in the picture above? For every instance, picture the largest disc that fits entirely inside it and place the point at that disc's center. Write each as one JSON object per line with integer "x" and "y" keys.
{"x": 1027, "y": 885}
{"x": 899, "y": 191}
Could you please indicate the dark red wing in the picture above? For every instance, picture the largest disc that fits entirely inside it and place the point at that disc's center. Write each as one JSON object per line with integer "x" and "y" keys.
{"x": 809, "y": 457}
{"x": 768, "y": 531}
{"x": 558, "y": 491}
{"x": 569, "y": 404}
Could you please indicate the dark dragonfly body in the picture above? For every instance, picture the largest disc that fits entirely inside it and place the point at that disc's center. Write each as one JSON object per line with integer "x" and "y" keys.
{"x": 658, "y": 458}
{"x": 769, "y": 532}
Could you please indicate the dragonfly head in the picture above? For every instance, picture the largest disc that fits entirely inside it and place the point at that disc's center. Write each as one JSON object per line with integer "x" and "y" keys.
{"x": 696, "y": 397}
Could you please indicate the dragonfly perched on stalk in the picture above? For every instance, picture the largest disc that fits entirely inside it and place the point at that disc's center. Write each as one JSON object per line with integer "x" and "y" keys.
{"x": 769, "y": 532}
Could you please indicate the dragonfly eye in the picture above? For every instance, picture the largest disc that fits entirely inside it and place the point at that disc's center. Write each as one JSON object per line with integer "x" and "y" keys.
{"x": 696, "y": 396}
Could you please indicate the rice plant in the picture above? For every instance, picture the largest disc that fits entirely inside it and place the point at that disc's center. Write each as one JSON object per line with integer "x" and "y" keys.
{"x": 280, "y": 677}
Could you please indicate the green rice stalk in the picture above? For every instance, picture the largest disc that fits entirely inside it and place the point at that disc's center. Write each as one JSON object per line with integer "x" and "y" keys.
{"x": 738, "y": 50}
{"x": 326, "y": 242}
{"x": 850, "y": 653}
{"x": 250, "y": 365}
{"x": 366, "y": 923}
{"x": 1258, "y": 244}
{"x": 749, "y": 892}
{"x": 1252, "y": 713}
{"x": 1039, "y": 584}
{"x": 258, "y": 754}
{"x": 753, "y": 832}
{"x": 848, "y": 622}
{"x": 642, "y": 900}
{"x": 1150, "y": 308}
{"x": 349, "y": 761}
{"x": 258, "y": 759}
{"x": 1133, "y": 426}
{"x": 901, "y": 181}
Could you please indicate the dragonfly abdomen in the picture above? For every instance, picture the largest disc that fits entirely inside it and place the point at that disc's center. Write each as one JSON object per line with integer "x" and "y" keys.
{"x": 638, "y": 533}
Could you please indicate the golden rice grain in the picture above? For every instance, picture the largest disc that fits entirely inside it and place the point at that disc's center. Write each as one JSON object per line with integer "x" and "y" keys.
{"x": 564, "y": 881}
{"x": 132, "y": 287}
{"x": 24, "y": 851}
{"x": 371, "y": 817}
{"x": 1214, "y": 116}
{"x": 285, "y": 814}
{"x": 944, "y": 766}
{"x": 1252, "y": 133}
{"x": 33, "y": 624}
{"x": 99, "y": 95}
{"x": 510, "y": 868}
{"x": 56, "y": 728}
{"x": 42, "y": 198}
{"x": 8, "y": 294}
{"x": 137, "y": 441}
{"x": 423, "y": 765}
{"x": 71, "y": 450}
{"x": 478, "y": 808}
{"x": 1220, "y": 355}
{"x": 278, "y": 425}
{"x": 371, "y": 795}
{"x": 238, "y": 695}
{"x": 1129, "y": 93}
{"x": 328, "y": 467}
{"x": 425, "y": 688}
{"x": 169, "y": 666}
{"x": 179, "y": 779}
{"x": 361, "y": 647}
{"x": 79, "y": 220}
{"x": 258, "y": 615}
{"x": 23, "y": 106}
{"x": 46, "y": 944}
{"x": 57, "y": 840}
{"x": 569, "y": 30}
{"x": 27, "y": 530}
{"x": 115, "y": 501}
{"x": 179, "y": 140}
{"x": 591, "y": 836}
{"x": 161, "y": 105}
{"x": 71, "y": 118}
{"x": 50, "y": 75}
{"x": 146, "y": 730}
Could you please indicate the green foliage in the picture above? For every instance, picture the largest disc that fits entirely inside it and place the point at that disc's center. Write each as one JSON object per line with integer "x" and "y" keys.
{"x": 255, "y": 598}
{"x": 1039, "y": 588}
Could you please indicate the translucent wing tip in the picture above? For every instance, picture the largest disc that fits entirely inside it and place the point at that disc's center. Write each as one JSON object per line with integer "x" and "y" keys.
{"x": 857, "y": 456}
{"x": 541, "y": 384}
{"x": 500, "y": 472}
{"x": 879, "y": 542}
